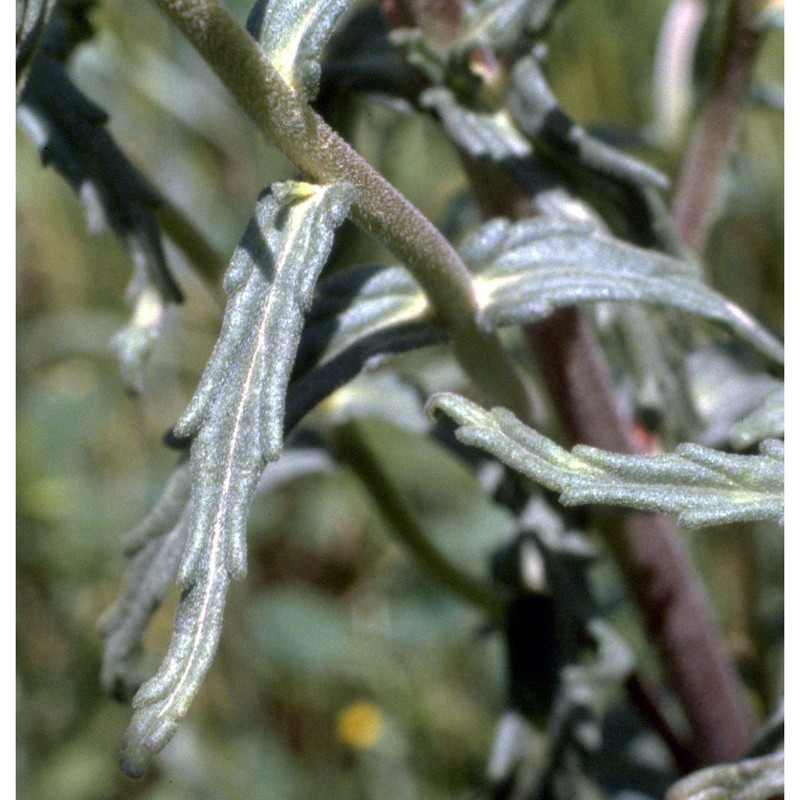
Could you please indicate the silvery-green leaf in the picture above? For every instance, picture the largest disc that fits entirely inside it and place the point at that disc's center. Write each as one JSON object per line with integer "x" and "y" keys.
{"x": 351, "y": 306}
{"x": 750, "y": 779}
{"x": 236, "y": 421}
{"x": 236, "y": 414}
{"x": 293, "y": 34}
{"x": 698, "y": 485}
{"x": 481, "y": 134}
{"x": 154, "y": 546}
{"x": 134, "y": 343}
{"x": 764, "y": 422}
{"x": 524, "y": 270}
{"x": 725, "y": 387}
{"x": 536, "y": 111}
{"x": 162, "y": 702}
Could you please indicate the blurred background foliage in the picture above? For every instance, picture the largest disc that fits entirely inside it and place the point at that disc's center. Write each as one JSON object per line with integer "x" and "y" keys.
{"x": 344, "y": 670}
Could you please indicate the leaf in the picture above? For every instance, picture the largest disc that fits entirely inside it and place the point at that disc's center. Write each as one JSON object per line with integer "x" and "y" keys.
{"x": 236, "y": 414}
{"x": 536, "y": 111}
{"x": 236, "y": 421}
{"x": 163, "y": 701}
{"x": 500, "y": 24}
{"x": 523, "y": 271}
{"x": 481, "y": 134}
{"x": 764, "y": 422}
{"x": 155, "y": 546}
{"x": 293, "y": 34}
{"x": 698, "y": 485}
{"x": 68, "y": 130}
{"x": 749, "y": 779}
{"x": 725, "y": 387}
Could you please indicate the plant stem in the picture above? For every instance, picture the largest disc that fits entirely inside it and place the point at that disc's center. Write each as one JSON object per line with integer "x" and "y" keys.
{"x": 353, "y": 449}
{"x": 292, "y": 125}
{"x": 698, "y": 186}
{"x": 191, "y": 241}
{"x": 649, "y": 550}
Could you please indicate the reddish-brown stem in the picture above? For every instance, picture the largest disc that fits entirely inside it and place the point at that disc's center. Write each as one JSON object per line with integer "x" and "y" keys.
{"x": 698, "y": 186}
{"x": 650, "y": 552}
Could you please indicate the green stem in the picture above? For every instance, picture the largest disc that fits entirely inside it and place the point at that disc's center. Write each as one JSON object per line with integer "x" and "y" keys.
{"x": 354, "y": 450}
{"x": 208, "y": 262}
{"x": 323, "y": 156}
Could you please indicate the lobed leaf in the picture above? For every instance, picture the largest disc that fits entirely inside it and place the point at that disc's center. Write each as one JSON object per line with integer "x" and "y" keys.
{"x": 485, "y": 134}
{"x": 698, "y": 485}
{"x": 764, "y": 422}
{"x": 155, "y": 546}
{"x": 68, "y": 130}
{"x": 536, "y": 111}
{"x": 293, "y": 33}
{"x": 236, "y": 421}
{"x": 163, "y": 701}
{"x": 236, "y": 414}
{"x": 525, "y": 270}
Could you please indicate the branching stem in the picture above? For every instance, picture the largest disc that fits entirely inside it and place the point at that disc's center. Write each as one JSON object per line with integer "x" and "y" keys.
{"x": 323, "y": 156}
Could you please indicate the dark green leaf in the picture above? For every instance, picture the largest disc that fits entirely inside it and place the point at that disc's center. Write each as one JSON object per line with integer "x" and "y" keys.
{"x": 68, "y": 130}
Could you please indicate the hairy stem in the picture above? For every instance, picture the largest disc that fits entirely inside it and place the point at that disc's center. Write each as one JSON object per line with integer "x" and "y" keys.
{"x": 354, "y": 450}
{"x": 698, "y": 186}
{"x": 379, "y": 208}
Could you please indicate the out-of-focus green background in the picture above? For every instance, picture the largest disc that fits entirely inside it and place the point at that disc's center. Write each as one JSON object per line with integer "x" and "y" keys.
{"x": 343, "y": 671}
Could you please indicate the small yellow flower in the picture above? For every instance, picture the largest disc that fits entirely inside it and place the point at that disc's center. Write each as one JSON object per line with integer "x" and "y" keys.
{"x": 359, "y": 724}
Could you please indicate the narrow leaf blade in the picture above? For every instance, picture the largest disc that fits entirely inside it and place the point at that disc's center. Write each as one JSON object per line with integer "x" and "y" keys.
{"x": 698, "y": 485}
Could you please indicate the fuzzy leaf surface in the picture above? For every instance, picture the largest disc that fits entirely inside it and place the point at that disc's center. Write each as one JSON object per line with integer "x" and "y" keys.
{"x": 485, "y": 134}
{"x": 154, "y": 546}
{"x": 525, "y": 270}
{"x": 293, "y": 34}
{"x": 236, "y": 414}
{"x": 698, "y": 485}
{"x": 750, "y": 779}
{"x": 766, "y": 421}
{"x": 235, "y": 419}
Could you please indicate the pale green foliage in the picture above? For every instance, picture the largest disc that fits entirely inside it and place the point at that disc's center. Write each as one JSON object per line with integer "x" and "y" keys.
{"x": 527, "y": 269}
{"x": 764, "y": 422}
{"x": 293, "y": 34}
{"x": 236, "y": 421}
{"x": 698, "y": 485}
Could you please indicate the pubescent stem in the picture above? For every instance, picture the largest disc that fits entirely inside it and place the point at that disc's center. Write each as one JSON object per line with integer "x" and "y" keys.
{"x": 323, "y": 156}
